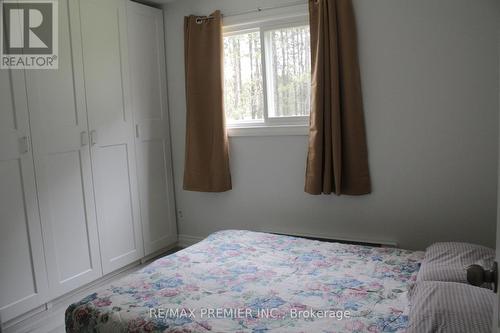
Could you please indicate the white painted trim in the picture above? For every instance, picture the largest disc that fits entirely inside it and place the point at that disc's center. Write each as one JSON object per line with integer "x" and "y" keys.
{"x": 238, "y": 22}
{"x": 160, "y": 253}
{"x": 268, "y": 130}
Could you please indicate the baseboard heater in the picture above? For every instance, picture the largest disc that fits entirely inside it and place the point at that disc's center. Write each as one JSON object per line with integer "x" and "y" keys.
{"x": 185, "y": 240}
{"x": 342, "y": 241}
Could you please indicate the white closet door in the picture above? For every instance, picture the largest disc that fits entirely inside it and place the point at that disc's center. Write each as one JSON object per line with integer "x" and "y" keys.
{"x": 149, "y": 105}
{"x": 107, "y": 80}
{"x": 62, "y": 162}
{"x": 23, "y": 279}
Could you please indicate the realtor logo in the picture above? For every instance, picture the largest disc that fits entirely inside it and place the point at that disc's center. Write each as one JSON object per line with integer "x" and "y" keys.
{"x": 29, "y": 34}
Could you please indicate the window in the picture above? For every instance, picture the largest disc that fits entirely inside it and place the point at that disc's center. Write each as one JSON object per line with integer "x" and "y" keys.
{"x": 243, "y": 86}
{"x": 267, "y": 74}
{"x": 290, "y": 74}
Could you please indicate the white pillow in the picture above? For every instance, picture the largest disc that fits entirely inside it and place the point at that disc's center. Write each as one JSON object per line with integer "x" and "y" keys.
{"x": 450, "y": 307}
{"x": 448, "y": 261}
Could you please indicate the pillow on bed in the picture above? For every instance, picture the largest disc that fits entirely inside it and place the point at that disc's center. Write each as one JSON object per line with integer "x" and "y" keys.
{"x": 450, "y": 307}
{"x": 448, "y": 261}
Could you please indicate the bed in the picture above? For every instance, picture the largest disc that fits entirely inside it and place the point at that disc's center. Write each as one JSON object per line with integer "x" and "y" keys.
{"x": 243, "y": 281}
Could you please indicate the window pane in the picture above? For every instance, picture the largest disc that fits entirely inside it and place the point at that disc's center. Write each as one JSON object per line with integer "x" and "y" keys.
{"x": 243, "y": 93}
{"x": 290, "y": 71}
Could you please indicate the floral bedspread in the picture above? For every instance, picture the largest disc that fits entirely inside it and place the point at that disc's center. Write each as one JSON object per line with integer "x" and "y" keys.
{"x": 243, "y": 281}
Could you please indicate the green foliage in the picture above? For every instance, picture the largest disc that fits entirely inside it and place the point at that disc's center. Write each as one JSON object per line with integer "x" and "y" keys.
{"x": 243, "y": 93}
{"x": 291, "y": 64}
{"x": 288, "y": 75}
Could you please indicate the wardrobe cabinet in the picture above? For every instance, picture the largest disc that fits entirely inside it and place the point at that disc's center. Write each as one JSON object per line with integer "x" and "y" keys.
{"x": 63, "y": 165}
{"x": 106, "y": 71}
{"x": 149, "y": 106}
{"x": 23, "y": 278}
{"x": 85, "y": 159}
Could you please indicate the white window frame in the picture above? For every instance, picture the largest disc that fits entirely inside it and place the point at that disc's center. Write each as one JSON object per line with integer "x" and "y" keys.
{"x": 269, "y": 126}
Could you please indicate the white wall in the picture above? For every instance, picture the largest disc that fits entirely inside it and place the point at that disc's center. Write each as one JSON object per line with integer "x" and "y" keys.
{"x": 430, "y": 86}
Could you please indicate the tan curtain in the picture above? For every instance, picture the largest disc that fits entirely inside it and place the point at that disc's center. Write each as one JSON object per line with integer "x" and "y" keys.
{"x": 337, "y": 160}
{"x": 207, "y": 159}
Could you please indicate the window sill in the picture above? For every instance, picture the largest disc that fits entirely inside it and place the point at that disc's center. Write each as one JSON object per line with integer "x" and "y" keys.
{"x": 268, "y": 130}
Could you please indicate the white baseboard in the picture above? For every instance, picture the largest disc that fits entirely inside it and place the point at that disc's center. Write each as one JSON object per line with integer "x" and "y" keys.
{"x": 188, "y": 240}
{"x": 160, "y": 253}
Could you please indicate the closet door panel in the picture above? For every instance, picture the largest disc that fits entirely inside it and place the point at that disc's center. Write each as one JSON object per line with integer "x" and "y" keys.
{"x": 156, "y": 208}
{"x": 23, "y": 282}
{"x": 112, "y": 174}
{"x": 149, "y": 104}
{"x": 103, "y": 70}
{"x": 63, "y": 175}
{"x": 113, "y": 153}
{"x": 62, "y": 161}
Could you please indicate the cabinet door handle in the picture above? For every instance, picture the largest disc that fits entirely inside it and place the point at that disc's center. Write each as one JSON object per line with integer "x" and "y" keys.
{"x": 25, "y": 144}
{"x": 84, "y": 138}
{"x": 93, "y": 137}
